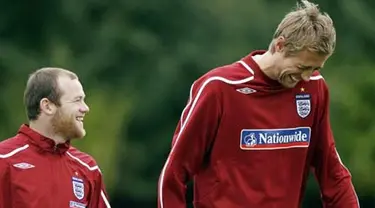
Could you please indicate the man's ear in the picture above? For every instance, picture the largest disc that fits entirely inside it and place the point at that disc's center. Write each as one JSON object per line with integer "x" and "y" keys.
{"x": 280, "y": 44}
{"x": 47, "y": 107}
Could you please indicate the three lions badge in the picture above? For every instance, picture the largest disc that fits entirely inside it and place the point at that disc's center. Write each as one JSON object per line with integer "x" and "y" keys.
{"x": 303, "y": 104}
{"x": 78, "y": 188}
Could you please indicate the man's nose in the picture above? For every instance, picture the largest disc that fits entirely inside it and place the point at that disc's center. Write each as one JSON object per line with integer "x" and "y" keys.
{"x": 84, "y": 108}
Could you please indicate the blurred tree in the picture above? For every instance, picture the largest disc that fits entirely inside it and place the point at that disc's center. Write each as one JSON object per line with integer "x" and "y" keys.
{"x": 137, "y": 60}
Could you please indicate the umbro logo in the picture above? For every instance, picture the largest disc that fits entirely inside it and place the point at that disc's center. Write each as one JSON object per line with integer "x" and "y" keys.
{"x": 23, "y": 165}
{"x": 246, "y": 90}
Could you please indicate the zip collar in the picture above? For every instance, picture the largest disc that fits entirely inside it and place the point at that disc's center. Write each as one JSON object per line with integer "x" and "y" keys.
{"x": 42, "y": 142}
{"x": 259, "y": 77}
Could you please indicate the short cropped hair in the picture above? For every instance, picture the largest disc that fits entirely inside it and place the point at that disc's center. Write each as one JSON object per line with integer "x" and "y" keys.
{"x": 43, "y": 84}
{"x": 306, "y": 28}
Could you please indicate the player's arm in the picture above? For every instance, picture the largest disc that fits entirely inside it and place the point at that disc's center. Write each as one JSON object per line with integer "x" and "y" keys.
{"x": 191, "y": 141}
{"x": 99, "y": 197}
{"x": 5, "y": 200}
{"x": 333, "y": 177}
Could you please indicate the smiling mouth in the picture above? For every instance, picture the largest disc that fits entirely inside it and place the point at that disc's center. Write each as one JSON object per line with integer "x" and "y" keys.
{"x": 80, "y": 119}
{"x": 293, "y": 78}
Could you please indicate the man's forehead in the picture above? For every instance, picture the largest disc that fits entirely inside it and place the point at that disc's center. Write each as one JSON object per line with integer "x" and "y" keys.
{"x": 65, "y": 78}
{"x": 69, "y": 86}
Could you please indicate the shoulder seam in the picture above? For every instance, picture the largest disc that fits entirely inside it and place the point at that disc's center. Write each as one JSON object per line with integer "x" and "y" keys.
{"x": 15, "y": 151}
{"x": 192, "y": 101}
{"x": 91, "y": 168}
{"x": 247, "y": 67}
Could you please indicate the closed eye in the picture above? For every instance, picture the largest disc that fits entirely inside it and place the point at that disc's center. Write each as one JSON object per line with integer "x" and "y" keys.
{"x": 79, "y": 99}
{"x": 308, "y": 68}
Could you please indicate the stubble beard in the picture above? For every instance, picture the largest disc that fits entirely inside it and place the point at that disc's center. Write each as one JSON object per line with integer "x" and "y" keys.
{"x": 66, "y": 126}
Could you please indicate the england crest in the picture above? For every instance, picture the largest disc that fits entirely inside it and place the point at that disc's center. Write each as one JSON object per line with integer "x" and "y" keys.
{"x": 78, "y": 188}
{"x": 303, "y": 104}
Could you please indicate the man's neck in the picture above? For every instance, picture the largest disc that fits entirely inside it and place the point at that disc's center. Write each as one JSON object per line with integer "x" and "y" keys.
{"x": 266, "y": 63}
{"x": 46, "y": 132}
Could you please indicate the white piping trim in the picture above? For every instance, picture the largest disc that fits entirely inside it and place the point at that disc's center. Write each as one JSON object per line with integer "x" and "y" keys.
{"x": 14, "y": 151}
{"x": 231, "y": 82}
{"x": 93, "y": 168}
{"x": 188, "y": 104}
{"x": 246, "y": 66}
{"x": 105, "y": 199}
{"x": 68, "y": 153}
{"x": 83, "y": 163}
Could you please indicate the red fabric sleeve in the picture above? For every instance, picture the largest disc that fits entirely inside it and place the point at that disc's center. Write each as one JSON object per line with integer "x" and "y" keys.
{"x": 193, "y": 137}
{"x": 5, "y": 200}
{"x": 333, "y": 177}
{"x": 99, "y": 198}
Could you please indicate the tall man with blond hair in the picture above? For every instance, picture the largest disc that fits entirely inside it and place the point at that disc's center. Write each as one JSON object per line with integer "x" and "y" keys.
{"x": 252, "y": 131}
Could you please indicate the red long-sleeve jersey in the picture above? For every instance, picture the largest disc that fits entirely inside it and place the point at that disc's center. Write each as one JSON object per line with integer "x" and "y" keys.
{"x": 248, "y": 142}
{"x": 36, "y": 173}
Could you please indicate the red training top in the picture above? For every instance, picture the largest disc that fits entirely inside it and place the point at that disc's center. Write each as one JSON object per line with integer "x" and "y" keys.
{"x": 246, "y": 141}
{"x": 35, "y": 173}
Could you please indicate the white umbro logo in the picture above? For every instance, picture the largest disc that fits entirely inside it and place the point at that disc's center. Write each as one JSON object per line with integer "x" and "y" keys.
{"x": 23, "y": 165}
{"x": 246, "y": 90}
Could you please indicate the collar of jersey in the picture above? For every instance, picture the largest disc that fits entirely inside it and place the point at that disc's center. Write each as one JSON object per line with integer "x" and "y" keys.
{"x": 260, "y": 78}
{"x": 42, "y": 142}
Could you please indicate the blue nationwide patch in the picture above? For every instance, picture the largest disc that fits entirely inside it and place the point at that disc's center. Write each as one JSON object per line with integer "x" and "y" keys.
{"x": 269, "y": 139}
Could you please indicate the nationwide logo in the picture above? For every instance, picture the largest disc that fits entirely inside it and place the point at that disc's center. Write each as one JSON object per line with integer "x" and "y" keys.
{"x": 74, "y": 204}
{"x": 270, "y": 139}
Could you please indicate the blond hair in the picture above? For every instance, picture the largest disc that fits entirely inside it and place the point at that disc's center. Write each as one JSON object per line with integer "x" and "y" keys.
{"x": 306, "y": 28}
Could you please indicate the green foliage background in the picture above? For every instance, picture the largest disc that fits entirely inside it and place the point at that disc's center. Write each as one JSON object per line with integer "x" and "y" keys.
{"x": 138, "y": 58}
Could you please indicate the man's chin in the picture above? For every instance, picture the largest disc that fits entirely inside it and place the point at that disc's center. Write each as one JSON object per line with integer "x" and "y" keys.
{"x": 80, "y": 131}
{"x": 82, "y": 134}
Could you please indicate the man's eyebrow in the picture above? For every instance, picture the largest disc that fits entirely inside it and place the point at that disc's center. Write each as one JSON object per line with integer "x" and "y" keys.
{"x": 80, "y": 97}
{"x": 304, "y": 66}
{"x": 308, "y": 67}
